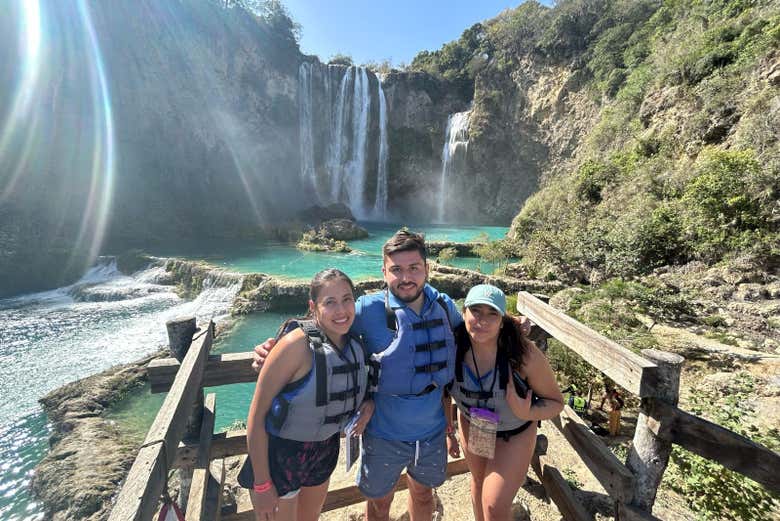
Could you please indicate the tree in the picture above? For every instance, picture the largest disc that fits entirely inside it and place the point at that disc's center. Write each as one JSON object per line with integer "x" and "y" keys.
{"x": 341, "y": 59}
{"x": 275, "y": 14}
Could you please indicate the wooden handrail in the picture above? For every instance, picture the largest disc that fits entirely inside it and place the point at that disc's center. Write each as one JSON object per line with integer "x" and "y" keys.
{"x": 613, "y": 475}
{"x": 558, "y": 489}
{"x": 222, "y": 369}
{"x": 141, "y": 491}
{"x": 629, "y": 370}
{"x": 716, "y": 443}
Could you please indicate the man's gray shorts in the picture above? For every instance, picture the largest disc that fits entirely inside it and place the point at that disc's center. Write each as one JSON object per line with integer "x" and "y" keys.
{"x": 382, "y": 462}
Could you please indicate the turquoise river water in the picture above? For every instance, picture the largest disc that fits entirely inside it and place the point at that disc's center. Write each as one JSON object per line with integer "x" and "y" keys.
{"x": 51, "y": 338}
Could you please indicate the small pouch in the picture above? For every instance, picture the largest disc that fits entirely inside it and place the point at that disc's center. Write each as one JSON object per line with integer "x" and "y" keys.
{"x": 482, "y": 432}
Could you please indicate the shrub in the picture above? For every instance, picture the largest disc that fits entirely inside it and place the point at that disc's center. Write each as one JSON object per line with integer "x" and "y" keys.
{"x": 447, "y": 254}
{"x": 713, "y": 491}
{"x": 591, "y": 178}
{"x": 496, "y": 252}
{"x": 722, "y": 202}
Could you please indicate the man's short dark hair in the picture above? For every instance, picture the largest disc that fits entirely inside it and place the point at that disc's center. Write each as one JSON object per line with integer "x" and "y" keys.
{"x": 404, "y": 240}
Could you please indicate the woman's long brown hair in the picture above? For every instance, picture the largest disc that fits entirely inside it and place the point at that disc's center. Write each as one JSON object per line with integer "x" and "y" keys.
{"x": 511, "y": 340}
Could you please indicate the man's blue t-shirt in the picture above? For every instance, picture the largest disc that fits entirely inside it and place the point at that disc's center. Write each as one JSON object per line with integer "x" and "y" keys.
{"x": 402, "y": 418}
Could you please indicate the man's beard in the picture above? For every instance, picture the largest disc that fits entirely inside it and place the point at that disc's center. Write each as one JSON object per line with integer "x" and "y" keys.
{"x": 407, "y": 300}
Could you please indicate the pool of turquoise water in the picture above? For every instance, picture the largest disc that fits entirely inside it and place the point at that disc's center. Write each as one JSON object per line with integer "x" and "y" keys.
{"x": 364, "y": 262}
{"x": 137, "y": 412}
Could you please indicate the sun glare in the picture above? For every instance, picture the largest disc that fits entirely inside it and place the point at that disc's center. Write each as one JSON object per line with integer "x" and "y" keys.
{"x": 20, "y": 117}
{"x": 98, "y": 202}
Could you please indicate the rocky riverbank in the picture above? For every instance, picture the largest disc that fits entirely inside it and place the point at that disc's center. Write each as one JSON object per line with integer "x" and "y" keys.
{"x": 88, "y": 455}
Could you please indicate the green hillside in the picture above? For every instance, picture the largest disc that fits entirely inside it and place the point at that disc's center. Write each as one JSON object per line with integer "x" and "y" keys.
{"x": 679, "y": 157}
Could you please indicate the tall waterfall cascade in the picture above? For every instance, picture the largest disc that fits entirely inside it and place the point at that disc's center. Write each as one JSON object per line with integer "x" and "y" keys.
{"x": 343, "y": 138}
{"x": 453, "y": 156}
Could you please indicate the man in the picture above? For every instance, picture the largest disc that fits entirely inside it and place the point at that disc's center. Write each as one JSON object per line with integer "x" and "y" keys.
{"x": 576, "y": 401}
{"x": 408, "y": 330}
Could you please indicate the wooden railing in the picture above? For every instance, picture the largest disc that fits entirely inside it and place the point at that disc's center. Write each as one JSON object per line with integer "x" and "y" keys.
{"x": 654, "y": 378}
{"x": 183, "y": 438}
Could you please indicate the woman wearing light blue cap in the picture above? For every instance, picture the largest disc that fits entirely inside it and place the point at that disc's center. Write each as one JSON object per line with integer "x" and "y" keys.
{"x": 503, "y": 386}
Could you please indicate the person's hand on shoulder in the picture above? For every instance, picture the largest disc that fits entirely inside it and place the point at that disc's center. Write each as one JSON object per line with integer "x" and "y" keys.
{"x": 260, "y": 353}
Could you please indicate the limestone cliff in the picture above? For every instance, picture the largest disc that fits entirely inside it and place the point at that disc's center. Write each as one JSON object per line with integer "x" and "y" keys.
{"x": 149, "y": 122}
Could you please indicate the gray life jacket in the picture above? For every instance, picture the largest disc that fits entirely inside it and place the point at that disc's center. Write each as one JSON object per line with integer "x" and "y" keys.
{"x": 329, "y": 396}
{"x": 421, "y": 356}
{"x": 467, "y": 394}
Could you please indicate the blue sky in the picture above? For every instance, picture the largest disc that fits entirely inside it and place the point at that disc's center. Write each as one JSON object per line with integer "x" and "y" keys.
{"x": 383, "y": 29}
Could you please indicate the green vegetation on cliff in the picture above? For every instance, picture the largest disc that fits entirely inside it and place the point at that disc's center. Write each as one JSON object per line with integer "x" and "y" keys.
{"x": 682, "y": 162}
{"x": 678, "y": 159}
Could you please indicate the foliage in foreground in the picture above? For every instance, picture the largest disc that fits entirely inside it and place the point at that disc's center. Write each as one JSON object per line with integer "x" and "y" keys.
{"x": 710, "y": 489}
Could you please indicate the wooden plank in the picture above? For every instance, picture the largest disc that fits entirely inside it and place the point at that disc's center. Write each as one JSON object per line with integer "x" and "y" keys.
{"x": 346, "y": 496}
{"x": 613, "y": 475}
{"x": 141, "y": 491}
{"x": 171, "y": 420}
{"x": 138, "y": 498}
{"x": 223, "y": 444}
{"x": 213, "y": 509}
{"x": 558, "y": 490}
{"x": 200, "y": 476}
{"x": 629, "y": 370}
{"x": 716, "y": 443}
{"x": 222, "y": 369}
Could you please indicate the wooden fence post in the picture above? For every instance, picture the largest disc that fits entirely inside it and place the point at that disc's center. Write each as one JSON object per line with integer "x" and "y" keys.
{"x": 649, "y": 454}
{"x": 180, "y": 333}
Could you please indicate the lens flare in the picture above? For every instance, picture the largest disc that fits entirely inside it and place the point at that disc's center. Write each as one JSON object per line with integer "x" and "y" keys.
{"x": 20, "y": 116}
{"x": 98, "y": 203}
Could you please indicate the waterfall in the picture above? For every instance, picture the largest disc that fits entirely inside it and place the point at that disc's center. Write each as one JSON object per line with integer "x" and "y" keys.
{"x": 380, "y": 201}
{"x": 336, "y": 138}
{"x": 337, "y": 108}
{"x": 453, "y": 154}
{"x": 308, "y": 174}
{"x": 356, "y": 168}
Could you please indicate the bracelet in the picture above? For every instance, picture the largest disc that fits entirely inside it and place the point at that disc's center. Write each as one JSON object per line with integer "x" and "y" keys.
{"x": 259, "y": 488}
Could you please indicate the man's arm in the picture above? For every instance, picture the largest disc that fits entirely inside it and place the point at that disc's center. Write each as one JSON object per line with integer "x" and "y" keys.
{"x": 261, "y": 352}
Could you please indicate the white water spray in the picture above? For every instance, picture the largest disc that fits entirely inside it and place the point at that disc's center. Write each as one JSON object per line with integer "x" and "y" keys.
{"x": 453, "y": 155}
{"x": 380, "y": 201}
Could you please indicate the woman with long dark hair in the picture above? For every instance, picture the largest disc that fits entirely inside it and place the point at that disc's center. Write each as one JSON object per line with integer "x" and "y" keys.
{"x": 503, "y": 386}
{"x": 310, "y": 387}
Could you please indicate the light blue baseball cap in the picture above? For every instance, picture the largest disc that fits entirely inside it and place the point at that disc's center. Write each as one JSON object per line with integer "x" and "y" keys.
{"x": 489, "y": 295}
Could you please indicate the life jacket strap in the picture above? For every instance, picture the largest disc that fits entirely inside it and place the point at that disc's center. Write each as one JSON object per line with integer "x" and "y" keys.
{"x": 337, "y": 418}
{"x": 430, "y": 346}
{"x": 322, "y": 376}
{"x": 390, "y": 317}
{"x": 477, "y": 395}
{"x": 343, "y": 395}
{"x": 428, "y": 324}
{"x": 430, "y": 368}
{"x": 428, "y": 389}
{"x": 346, "y": 368}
